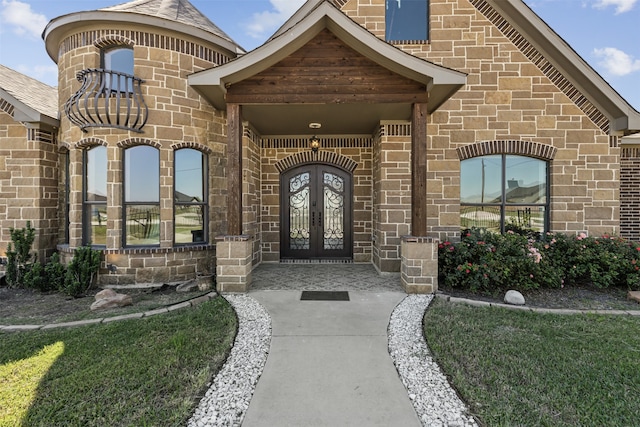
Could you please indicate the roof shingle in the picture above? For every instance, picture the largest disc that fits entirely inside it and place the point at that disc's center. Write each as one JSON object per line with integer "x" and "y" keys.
{"x": 174, "y": 10}
{"x": 29, "y": 91}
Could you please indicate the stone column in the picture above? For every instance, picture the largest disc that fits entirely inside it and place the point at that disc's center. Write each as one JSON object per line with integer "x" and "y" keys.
{"x": 392, "y": 194}
{"x": 234, "y": 266}
{"x": 419, "y": 274}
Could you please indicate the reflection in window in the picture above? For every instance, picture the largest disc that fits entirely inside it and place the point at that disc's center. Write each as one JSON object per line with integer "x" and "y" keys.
{"x": 94, "y": 203}
{"x": 118, "y": 61}
{"x": 190, "y": 201}
{"x": 407, "y": 20}
{"x": 502, "y": 191}
{"x": 142, "y": 196}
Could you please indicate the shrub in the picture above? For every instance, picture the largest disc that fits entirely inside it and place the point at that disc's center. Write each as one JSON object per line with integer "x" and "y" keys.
{"x": 490, "y": 262}
{"x": 81, "y": 271}
{"x": 34, "y": 277}
{"x": 55, "y": 272}
{"x": 19, "y": 256}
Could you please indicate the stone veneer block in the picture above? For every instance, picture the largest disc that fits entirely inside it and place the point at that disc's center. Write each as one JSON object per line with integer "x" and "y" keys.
{"x": 233, "y": 271}
{"x": 419, "y": 269}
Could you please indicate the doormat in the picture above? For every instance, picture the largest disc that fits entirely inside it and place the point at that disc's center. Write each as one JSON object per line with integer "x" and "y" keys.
{"x": 324, "y": 296}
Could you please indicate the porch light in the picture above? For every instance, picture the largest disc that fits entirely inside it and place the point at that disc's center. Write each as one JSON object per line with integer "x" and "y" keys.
{"x": 314, "y": 143}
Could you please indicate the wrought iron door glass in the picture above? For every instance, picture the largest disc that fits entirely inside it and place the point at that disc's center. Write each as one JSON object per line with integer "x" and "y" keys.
{"x": 299, "y": 211}
{"x": 333, "y": 226}
{"x": 316, "y": 213}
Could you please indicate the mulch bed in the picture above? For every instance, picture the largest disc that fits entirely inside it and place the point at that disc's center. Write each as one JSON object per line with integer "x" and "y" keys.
{"x": 26, "y": 306}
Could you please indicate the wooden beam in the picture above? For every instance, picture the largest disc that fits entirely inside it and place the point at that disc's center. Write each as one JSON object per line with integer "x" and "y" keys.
{"x": 419, "y": 170}
{"x": 234, "y": 169}
{"x": 327, "y": 98}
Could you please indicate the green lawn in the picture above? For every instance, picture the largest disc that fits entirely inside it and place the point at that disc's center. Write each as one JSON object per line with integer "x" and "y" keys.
{"x": 145, "y": 372}
{"x": 527, "y": 369}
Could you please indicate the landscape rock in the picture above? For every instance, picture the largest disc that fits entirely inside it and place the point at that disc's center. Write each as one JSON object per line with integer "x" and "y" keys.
{"x": 188, "y": 286}
{"x": 634, "y": 295}
{"x": 514, "y": 298}
{"x": 108, "y": 298}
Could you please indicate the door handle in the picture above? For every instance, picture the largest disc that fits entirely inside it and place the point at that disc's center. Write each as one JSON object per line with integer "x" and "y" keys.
{"x": 313, "y": 218}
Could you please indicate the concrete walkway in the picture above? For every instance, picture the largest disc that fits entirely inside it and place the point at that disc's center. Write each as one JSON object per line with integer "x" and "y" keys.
{"x": 329, "y": 364}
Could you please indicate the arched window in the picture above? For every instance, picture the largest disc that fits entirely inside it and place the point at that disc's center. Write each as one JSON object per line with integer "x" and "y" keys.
{"x": 142, "y": 196}
{"x": 501, "y": 191}
{"x": 118, "y": 65}
{"x": 94, "y": 199}
{"x": 190, "y": 197}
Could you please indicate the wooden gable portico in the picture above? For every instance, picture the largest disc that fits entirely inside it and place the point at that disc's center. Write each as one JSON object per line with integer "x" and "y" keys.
{"x": 322, "y": 67}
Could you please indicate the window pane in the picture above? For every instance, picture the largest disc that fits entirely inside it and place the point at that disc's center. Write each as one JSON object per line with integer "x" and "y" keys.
{"x": 526, "y": 180}
{"x": 96, "y": 170}
{"x": 95, "y": 221}
{"x": 406, "y": 20}
{"x": 142, "y": 225}
{"x": 189, "y": 176}
{"x": 481, "y": 180}
{"x": 528, "y": 217}
{"x": 189, "y": 224}
{"x": 119, "y": 59}
{"x": 481, "y": 217}
{"x": 142, "y": 174}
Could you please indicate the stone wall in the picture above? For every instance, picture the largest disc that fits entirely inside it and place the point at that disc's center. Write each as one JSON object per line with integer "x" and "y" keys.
{"x": 151, "y": 265}
{"x": 28, "y": 183}
{"x": 178, "y": 118}
{"x": 514, "y": 94}
{"x": 251, "y": 199}
{"x": 294, "y": 151}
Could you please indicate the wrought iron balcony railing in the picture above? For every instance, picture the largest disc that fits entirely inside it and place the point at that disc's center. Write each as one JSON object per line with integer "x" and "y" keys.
{"x": 107, "y": 99}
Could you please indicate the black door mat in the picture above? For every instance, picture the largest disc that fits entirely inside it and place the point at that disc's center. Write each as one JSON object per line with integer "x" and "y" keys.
{"x": 324, "y": 296}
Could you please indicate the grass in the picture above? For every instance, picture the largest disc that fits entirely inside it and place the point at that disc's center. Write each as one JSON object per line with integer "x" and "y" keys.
{"x": 529, "y": 369}
{"x": 148, "y": 372}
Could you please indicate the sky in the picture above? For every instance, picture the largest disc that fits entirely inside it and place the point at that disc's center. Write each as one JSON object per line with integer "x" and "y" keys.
{"x": 605, "y": 33}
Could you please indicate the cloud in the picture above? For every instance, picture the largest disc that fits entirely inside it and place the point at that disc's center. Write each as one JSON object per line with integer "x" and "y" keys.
{"x": 617, "y": 62}
{"x": 23, "y": 21}
{"x": 621, "y": 6}
{"x": 264, "y": 23}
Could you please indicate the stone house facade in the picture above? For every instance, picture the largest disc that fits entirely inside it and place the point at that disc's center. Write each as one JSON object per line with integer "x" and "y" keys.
{"x": 359, "y": 132}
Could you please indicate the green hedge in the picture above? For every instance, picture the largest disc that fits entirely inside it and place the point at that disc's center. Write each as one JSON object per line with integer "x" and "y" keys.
{"x": 489, "y": 262}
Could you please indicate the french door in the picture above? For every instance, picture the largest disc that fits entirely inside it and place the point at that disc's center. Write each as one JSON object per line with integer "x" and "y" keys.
{"x": 316, "y": 213}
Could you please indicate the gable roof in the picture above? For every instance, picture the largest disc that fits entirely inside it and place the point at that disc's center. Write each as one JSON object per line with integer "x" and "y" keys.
{"x": 313, "y": 17}
{"x": 33, "y": 101}
{"x": 174, "y": 15}
{"x": 623, "y": 118}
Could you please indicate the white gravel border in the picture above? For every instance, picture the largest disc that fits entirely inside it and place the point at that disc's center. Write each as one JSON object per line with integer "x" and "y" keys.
{"x": 433, "y": 398}
{"x": 227, "y": 400}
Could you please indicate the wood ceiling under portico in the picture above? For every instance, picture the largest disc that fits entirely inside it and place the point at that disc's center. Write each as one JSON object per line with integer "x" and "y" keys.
{"x": 326, "y": 71}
